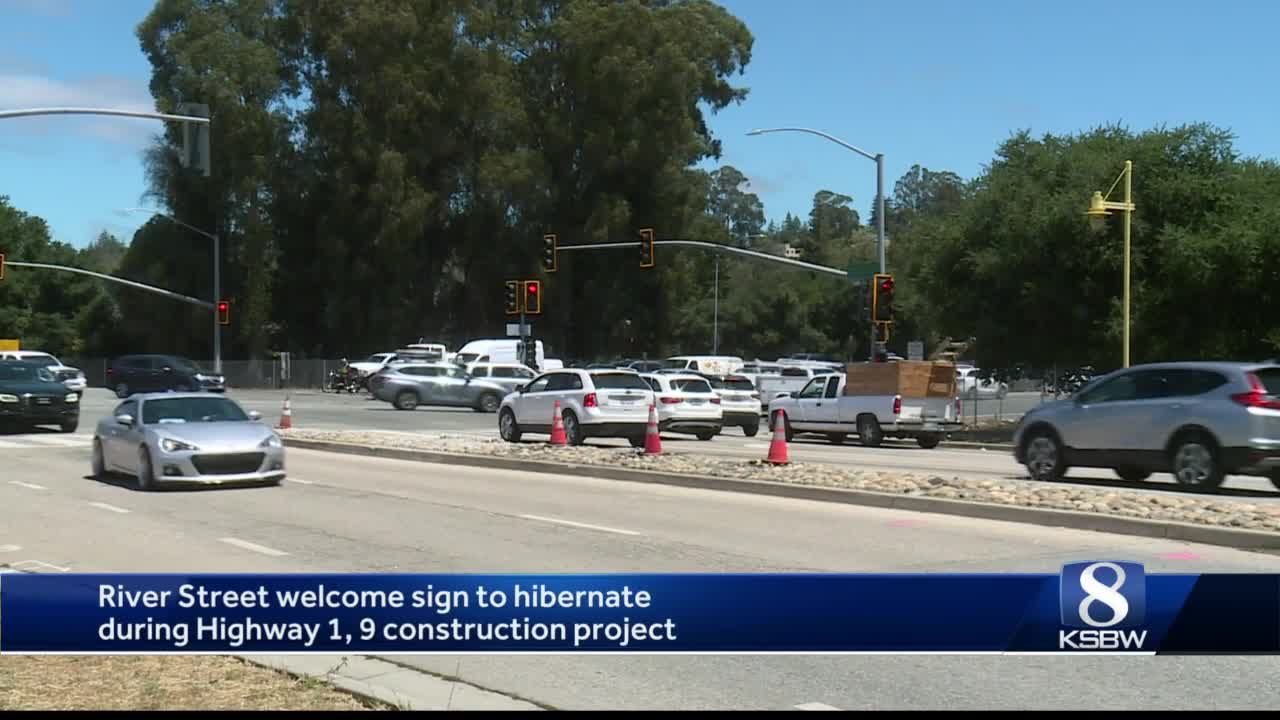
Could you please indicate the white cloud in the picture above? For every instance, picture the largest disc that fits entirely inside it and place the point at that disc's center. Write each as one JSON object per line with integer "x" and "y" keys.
{"x": 22, "y": 91}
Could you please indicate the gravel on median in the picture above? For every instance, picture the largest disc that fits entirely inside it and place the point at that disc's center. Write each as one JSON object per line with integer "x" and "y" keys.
{"x": 1197, "y": 509}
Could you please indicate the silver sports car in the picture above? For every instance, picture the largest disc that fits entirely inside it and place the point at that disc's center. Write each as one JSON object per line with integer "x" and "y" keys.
{"x": 186, "y": 438}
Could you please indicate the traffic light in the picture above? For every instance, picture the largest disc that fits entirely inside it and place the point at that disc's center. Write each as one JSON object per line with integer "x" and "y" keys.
{"x": 224, "y": 312}
{"x": 1, "y": 266}
{"x": 528, "y": 352}
{"x": 513, "y": 297}
{"x": 646, "y": 248}
{"x": 550, "y": 246}
{"x": 882, "y": 297}
{"x": 533, "y": 297}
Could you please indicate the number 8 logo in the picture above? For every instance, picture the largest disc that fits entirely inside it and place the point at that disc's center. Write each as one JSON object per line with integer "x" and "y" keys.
{"x": 1106, "y": 594}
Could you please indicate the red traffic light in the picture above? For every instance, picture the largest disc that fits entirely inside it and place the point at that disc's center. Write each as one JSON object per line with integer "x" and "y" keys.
{"x": 224, "y": 312}
{"x": 886, "y": 285}
{"x": 223, "y": 307}
{"x": 533, "y": 289}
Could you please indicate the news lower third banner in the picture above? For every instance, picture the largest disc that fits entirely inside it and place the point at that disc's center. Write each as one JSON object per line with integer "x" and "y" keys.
{"x": 1104, "y": 606}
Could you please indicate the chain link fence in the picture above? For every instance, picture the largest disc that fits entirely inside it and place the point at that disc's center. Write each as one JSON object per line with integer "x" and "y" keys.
{"x": 268, "y": 374}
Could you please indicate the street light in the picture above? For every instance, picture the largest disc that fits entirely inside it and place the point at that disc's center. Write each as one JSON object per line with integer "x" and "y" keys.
{"x": 877, "y": 157}
{"x": 217, "y": 277}
{"x": 1099, "y": 208}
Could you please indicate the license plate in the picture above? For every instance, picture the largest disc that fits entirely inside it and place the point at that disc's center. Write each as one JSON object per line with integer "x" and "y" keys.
{"x": 43, "y": 401}
{"x": 627, "y": 399}
{"x": 697, "y": 401}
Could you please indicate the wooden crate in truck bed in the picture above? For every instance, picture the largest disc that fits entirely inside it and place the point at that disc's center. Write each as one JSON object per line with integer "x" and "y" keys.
{"x": 909, "y": 378}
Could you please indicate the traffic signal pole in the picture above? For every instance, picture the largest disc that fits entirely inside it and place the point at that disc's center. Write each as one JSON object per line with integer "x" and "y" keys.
{"x": 122, "y": 281}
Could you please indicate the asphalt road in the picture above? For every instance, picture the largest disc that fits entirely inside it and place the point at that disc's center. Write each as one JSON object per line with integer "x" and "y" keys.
{"x": 344, "y": 514}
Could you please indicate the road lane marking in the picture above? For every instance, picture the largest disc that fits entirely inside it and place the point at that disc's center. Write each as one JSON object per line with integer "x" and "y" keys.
{"x": 55, "y": 441}
{"x": 300, "y": 481}
{"x": 29, "y": 486}
{"x": 815, "y": 706}
{"x": 254, "y": 547}
{"x": 587, "y": 526}
{"x": 112, "y": 508}
{"x": 10, "y": 548}
{"x": 42, "y": 564}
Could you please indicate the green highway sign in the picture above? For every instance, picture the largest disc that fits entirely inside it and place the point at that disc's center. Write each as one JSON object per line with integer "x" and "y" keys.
{"x": 862, "y": 271}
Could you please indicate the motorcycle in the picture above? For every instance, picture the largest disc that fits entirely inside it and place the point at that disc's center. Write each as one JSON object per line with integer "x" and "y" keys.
{"x": 342, "y": 381}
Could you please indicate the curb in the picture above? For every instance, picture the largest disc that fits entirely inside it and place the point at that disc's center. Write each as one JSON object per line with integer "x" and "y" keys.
{"x": 1116, "y": 524}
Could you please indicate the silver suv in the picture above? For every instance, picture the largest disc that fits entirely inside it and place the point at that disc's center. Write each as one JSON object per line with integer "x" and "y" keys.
{"x": 1200, "y": 421}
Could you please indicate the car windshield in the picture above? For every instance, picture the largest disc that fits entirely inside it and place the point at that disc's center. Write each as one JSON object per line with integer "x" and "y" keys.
{"x": 186, "y": 365}
{"x": 24, "y": 372}
{"x": 466, "y": 358}
{"x": 691, "y": 385}
{"x": 618, "y": 381}
{"x": 375, "y": 358}
{"x": 42, "y": 359}
{"x": 738, "y": 384}
{"x": 191, "y": 410}
{"x": 677, "y": 364}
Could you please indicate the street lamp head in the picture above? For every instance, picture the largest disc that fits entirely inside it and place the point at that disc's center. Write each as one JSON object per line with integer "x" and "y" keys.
{"x": 757, "y": 131}
{"x": 1097, "y": 212}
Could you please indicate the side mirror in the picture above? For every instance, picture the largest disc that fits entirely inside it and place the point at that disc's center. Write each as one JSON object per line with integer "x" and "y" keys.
{"x": 126, "y": 420}
{"x": 780, "y": 395}
{"x": 255, "y": 416}
{"x": 520, "y": 388}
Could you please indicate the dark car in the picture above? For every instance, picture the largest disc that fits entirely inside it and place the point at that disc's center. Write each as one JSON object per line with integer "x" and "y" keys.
{"x": 30, "y": 395}
{"x": 131, "y": 374}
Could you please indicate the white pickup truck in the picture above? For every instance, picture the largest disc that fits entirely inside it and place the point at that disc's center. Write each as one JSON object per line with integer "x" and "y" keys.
{"x": 822, "y": 407}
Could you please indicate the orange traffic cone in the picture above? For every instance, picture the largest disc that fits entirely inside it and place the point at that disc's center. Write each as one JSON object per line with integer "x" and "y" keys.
{"x": 778, "y": 447}
{"x": 286, "y": 415}
{"x": 557, "y": 428}
{"x": 652, "y": 440}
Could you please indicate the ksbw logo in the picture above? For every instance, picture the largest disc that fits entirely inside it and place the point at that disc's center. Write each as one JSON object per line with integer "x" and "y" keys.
{"x": 1105, "y": 601}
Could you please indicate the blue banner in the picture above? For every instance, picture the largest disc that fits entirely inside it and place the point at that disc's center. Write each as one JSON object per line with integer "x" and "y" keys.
{"x": 1106, "y": 606}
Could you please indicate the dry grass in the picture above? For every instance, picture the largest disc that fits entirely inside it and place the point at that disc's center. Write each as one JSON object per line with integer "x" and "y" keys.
{"x": 159, "y": 683}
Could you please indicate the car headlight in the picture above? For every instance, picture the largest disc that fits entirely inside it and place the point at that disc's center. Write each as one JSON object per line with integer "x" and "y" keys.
{"x": 71, "y": 397}
{"x": 171, "y": 445}
{"x": 5, "y": 398}
{"x": 271, "y": 442}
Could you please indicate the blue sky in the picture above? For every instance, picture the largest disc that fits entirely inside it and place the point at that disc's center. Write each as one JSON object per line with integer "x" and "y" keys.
{"x": 935, "y": 82}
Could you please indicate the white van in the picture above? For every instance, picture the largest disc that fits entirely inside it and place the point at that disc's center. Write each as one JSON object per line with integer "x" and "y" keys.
{"x": 495, "y": 351}
{"x": 709, "y": 364}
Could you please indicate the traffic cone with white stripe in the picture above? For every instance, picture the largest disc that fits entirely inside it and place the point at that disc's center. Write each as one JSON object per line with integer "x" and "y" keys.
{"x": 778, "y": 447}
{"x": 557, "y": 428}
{"x": 652, "y": 439}
{"x": 286, "y": 415}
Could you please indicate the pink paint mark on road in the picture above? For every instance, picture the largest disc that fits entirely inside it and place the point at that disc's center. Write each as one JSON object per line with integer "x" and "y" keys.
{"x": 1184, "y": 555}
{"x": 905, "y": 523}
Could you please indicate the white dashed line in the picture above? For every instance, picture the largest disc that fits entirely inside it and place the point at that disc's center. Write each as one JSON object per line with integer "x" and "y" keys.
{"x": 254, "y": 547}
{"x": 39, "y": 563}
{"x": 10, "y": 548}
{"x": 815, "y": 706}
{"x": 587, "y": 526}
{"x": 29, "y": 486}
{"x": 300, "y": 481}
{"x": 112, "y": 508}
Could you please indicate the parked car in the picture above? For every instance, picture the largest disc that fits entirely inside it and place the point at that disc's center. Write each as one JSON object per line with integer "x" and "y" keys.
{"x": 686, "y": 404}
{"x": 1200, "y": 421}
{"x": 593, "y": 403}
{"x": 972, "y": 383}
{"x": 130, "y": 374}
{"x": 31, "y": 396}
{"x": 739, "y": 402}
{"x": 711, "y": 364}
{"x": 72, "y": 378}
{"x": 186, "y": 437}
{"x": 823, "y": 407}
{"x": 509, "y": 375}
{"x": 437, "y": 383}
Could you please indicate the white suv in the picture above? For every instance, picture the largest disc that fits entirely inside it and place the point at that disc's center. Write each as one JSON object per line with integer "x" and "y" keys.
{"x": 739, "y": 401}
{"x": 687, "y": 404}
{"x": 593, "y": 403}
{"x": 72, "y": 378}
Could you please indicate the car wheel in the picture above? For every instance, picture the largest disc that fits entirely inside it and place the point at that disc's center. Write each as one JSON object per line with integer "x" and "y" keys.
{"x": 928, "y": 442}
{"x": 705, "y": 436}
{"x": 146, "y": 471}
{"x": 1132, "y": 474}
{"x": 406, "y": 400}
{"x": 99, "y": 461}
{"x": 1195, "y": 463}
{"x": 122, "y": 390}
{"x": 508, "y": 428}
{"x": 1044, "y": 457}
{"x": 836, "y": 438}
{"x": 573, "y": 432}
{"x": 489, "y": 403}
{"x": 752, "y": 429}
{"x": 69, "y": 426}
{"x": 869, "y": 432}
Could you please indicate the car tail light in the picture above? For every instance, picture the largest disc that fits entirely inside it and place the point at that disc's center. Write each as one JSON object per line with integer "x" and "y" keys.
{"x": 715, "y": 401}
{"x": 897, "y": 405}
{"x": 669, "y": 400}
{"x": 589, "y": 400}
{"x": 1257, "y": 395}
